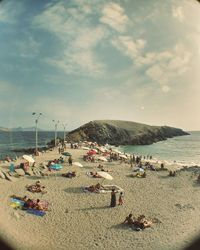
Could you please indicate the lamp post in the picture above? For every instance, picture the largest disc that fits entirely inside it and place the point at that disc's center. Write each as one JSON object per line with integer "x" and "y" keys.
{"x": 64, "y": 126}
{"x": 56, "y": 125}
{"x": 36, "y": 130}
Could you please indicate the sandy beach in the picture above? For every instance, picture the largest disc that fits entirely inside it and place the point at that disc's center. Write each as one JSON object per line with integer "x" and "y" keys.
{"x": 79, "y": 220}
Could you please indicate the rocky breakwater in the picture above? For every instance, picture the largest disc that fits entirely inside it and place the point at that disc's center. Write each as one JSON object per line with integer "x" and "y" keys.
{"x": 116, "y": 132}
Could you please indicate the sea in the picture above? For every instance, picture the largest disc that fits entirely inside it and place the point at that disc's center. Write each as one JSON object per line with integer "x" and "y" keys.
{"x": 10, "y": 141}
{"x": 182, "y": 149}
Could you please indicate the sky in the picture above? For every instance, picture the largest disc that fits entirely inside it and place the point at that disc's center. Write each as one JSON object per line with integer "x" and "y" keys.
{"x": 80, "y": 60}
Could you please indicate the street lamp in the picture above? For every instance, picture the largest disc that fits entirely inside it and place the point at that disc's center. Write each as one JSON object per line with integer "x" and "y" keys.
{"x": 36, "y": 130}
{"x": 56, "y": 125}
{"x": 64, "y": 126}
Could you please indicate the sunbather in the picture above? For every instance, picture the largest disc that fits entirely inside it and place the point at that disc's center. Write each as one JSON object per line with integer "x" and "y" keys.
{"x": 69, "y": 174}
{"x": 129, "y": 220}
{"x": 94, "y": 188}
{"x": 36, "y": 188}
{"x": 138, "y": 224}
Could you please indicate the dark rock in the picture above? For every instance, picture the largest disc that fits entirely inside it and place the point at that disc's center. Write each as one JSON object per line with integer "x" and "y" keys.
{"x": 117, "y": 132}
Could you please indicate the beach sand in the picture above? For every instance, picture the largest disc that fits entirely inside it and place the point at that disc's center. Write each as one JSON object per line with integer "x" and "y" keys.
{"x": 79, "y": 220}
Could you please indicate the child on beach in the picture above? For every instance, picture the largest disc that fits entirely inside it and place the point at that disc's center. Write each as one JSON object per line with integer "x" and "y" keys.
{"x": 120, "y": 201}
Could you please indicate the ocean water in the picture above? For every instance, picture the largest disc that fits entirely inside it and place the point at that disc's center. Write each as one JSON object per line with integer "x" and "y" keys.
{"x": 182, "y": 149}
{"x": 26, "y": 139}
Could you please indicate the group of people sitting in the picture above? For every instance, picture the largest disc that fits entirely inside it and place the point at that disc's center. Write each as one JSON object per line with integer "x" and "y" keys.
{"x": 172, "y": 173}
{"x": 36, "y": 188}
{"x": 69, "y": 174}
{"x": 139, "y": 223}
{"x": 55, "y": 161}
{"x": 31, "y": 203}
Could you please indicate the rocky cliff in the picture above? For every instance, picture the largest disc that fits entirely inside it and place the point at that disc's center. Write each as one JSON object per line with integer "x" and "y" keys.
{"x": 117, "y": 132}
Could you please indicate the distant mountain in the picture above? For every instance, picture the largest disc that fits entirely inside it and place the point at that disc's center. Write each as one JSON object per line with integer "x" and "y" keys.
{"x": 117, "y": 132}
{"x": 25, "y": 129}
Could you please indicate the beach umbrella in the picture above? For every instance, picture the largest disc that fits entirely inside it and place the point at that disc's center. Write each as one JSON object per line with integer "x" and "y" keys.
{"x": 116, "y": 151}
{"x": 101, "y": 149}
{"x": 101, "y": 158}
{"x": 123, "y": 156}
{"x": 28, "y": 158}
{"x": 66, "y": 154}
{"x": 85, "y": 148}
{"x": 77, "y": 164}
{"x": 105, "y": 175}
{"x": 91, "y": 152}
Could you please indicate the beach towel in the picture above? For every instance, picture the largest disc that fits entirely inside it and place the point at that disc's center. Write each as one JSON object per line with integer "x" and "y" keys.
{"x": 56, "y": 167}
{"x": 18, "y": 201}
{"x": 36, "y": 212}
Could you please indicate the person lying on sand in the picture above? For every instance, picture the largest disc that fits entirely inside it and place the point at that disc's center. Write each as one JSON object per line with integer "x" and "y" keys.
{"x": 69, "y": 174}
{"x": 139, "y": 174}
{"x": 94, "y": 188}
{"x": 138, "y": 224}
{"x": 36, "y": 188}
{"x": 95, "y": 174}
{"x": 25, "y": 198}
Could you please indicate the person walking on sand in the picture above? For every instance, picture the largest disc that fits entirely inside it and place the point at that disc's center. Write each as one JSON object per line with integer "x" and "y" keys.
{"x": 70, "y": 161}
{"x": 113, "y": 198}
{"x": 120, "y": 201}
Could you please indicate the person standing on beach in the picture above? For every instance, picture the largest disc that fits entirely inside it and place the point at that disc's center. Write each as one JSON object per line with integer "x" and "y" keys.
{"x": 70, "y": 161}
{"x": 113, "y": 198}
{"x": 120, "y": 201}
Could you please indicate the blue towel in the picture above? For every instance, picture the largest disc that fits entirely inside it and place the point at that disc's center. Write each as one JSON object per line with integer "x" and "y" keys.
{"x": 15, "y": 200}
{"x": 36, "y": 212}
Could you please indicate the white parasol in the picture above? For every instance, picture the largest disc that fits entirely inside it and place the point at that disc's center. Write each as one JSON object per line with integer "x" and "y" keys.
{"x": 28, "y": 158}
{"x": 105, "y": 175}
{"x": 123, "y": 156}
{"x": 78, "y": 164}
{"x": 101, "y": 158}
{"x": 85, "y": 148}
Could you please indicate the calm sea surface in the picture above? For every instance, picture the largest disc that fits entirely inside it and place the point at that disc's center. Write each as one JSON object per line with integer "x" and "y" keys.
{"x": 26, "y": 139}
{"x": 182, "y": 149}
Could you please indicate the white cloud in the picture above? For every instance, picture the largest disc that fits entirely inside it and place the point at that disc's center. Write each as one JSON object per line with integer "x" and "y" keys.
{"x": 114, "y": 16}
{"x": 178, "y": 13}
{"x": 78, "y": 37}
{"x": 130, "y": 47}
{"x": 164, "y": 71}
{"x": 80, "y": 62}
{"x": 89, "y": 38}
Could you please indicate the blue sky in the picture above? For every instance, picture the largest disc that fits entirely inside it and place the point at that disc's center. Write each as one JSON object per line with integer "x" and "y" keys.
{"x": 81, "y": 60}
